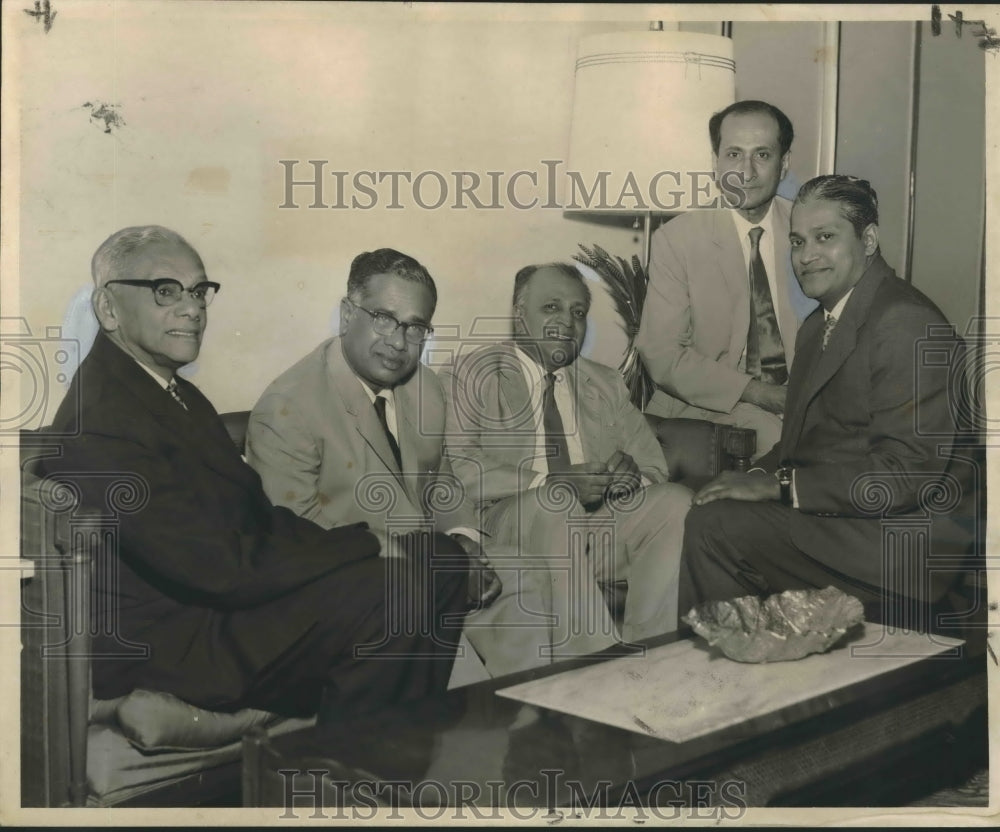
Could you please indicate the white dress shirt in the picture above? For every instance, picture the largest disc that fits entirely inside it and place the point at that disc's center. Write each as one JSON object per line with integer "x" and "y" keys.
{"x": 390, "y": 407}
{"x": 158, "y": 378}
{"x": 838, "y": 310}
{"x": 534, "y": 377}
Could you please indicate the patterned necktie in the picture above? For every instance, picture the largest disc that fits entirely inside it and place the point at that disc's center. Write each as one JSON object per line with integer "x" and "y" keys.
{"x": 765, "y": 352}
{"x": 555, "y": 433}
{"x": 828, "y": 326}
{"x": 380, "y": 403}
{"x": 175, "y": 393}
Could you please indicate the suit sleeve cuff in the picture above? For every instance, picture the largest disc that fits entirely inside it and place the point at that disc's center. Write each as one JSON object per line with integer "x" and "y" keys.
{"x": 473, "y": 534}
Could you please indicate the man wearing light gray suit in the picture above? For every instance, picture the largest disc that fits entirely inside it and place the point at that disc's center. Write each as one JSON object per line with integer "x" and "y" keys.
{"x": 562, "y": 462}
{"x": 723, "y": 306}
{"x": 353, "y": 432}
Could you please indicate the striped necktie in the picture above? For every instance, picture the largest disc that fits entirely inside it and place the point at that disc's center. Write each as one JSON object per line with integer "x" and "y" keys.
{"x": 765, "y": 351}
{"x": 828, "y": 326}
{"x": 175, "y": 393}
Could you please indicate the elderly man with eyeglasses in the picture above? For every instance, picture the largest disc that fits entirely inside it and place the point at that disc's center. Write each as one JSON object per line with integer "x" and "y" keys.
{"x": 355, "y": 432}
{"x": 240, "y": 603}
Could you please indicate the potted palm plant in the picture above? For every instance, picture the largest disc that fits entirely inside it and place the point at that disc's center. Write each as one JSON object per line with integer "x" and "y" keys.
{"x": 626, "y": 282}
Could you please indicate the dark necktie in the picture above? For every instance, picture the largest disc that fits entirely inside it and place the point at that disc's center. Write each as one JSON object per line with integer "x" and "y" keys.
{"x": 175, "y": 393}
{"x": 555, "y": 433}
{"x": 765, "y": 352}
{"x": 380, "y": 412}
{"x": 828, "y": 326}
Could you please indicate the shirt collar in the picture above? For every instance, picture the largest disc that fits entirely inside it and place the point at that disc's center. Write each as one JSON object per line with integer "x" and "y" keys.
{"x": 534, "y": 373}
{"x": 839, "y": 308}
{"x": 743, "y": 225}
{"x": 385, "y": 393}
{"x": 156, "y": 376}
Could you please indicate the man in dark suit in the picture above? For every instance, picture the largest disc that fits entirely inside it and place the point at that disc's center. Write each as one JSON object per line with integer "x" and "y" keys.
{"x": 239, "y": 603}
{"x": 864, "y": 435}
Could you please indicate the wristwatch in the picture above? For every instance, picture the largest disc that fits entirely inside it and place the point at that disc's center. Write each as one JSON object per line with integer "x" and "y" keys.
{"x": 784, "y": 475}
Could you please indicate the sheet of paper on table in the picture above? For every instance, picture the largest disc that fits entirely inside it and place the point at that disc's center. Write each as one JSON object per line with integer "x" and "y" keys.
{"x": 685, "y": 690}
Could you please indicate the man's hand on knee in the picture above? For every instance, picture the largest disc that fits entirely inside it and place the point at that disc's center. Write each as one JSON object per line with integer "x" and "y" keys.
{"x": 485, "y": 585}
{"x": 625, "y": 475}
{"x": 757, "y": 487}
{"x": 587, "y": 480}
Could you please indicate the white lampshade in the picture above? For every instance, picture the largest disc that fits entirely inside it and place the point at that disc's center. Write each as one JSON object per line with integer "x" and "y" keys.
{"x": 641, "y": 106}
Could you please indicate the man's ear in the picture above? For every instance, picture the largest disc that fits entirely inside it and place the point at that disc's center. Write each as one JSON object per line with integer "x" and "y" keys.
{"x": 105, "y": 310}
{"x": 346, "y": 313}
{"x": 784, "y": 165}
{"x": 517, "y": 324}
{"x": 870, "y": 238}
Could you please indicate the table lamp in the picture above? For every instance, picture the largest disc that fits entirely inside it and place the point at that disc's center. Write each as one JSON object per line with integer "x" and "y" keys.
{"x": 639, "y": 146}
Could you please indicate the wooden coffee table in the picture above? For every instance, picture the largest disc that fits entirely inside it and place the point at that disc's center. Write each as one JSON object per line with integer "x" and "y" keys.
{"x": 472, "y": 749}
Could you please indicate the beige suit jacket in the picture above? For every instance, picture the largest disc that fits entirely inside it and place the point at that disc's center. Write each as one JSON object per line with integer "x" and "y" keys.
{"x": 491, "y": 425}
{"x": 320, "y": 449}
{"x": 697, "y": 310}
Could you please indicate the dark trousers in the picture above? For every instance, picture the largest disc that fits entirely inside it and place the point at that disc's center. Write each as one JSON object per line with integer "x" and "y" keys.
{"x": 385, "y": 630}
{"x": 366, "y": 635}
{"x": 734, "y": 548}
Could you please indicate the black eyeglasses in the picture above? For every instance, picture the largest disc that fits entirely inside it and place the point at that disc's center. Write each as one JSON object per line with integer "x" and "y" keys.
{"x": 385, "y": 324}
{"x": 167, "y": 291}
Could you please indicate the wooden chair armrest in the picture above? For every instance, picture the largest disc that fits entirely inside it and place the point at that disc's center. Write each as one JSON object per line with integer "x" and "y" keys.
{"x": 57, "y": 645}
{"x": 697, "y": 450}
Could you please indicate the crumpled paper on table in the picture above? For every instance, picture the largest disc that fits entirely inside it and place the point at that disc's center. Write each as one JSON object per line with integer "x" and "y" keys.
{"x": 782, "y": 627}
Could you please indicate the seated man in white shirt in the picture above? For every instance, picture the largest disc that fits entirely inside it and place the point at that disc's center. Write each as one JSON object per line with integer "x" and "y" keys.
{"x": 562, "y": 462}
{"x": 353, "y": 432}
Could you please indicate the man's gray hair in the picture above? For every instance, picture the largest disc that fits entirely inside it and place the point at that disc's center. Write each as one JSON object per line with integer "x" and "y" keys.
{"x": 112, "y": 255}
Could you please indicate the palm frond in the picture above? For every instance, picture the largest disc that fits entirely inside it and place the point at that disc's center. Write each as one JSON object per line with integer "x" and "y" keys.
{"x": 626, "y": 283}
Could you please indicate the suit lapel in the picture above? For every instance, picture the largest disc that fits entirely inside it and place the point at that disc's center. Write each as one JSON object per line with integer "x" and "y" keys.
{"x": 730, "y": 262}
{"x": 198, "y": 427}
{"x": 356, "y": 402}
{"x": 514, "y": 400}
{"x": 821, "y": 365}
{"x": 784, "y": 279}
{"x": 808, "y": 353}
{"x": 588, "y": 411}
{"x": 408, "y": 438}
{"x": 212, "y": 438}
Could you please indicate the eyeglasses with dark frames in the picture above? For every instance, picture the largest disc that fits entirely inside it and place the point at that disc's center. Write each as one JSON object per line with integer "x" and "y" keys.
{"x": 385, "y": 324}
{"x": 167, "y": 291}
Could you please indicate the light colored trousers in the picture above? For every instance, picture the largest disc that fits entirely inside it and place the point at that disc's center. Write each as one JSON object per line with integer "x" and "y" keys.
{"x": 637, "y": 540}
{"x": 513, "y": 633}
